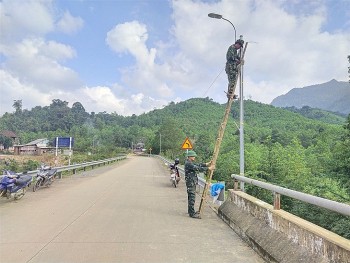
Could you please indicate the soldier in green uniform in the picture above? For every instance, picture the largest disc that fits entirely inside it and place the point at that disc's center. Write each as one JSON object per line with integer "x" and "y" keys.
{"x": 191, "y": 180}
{"x": 232, "y": 63}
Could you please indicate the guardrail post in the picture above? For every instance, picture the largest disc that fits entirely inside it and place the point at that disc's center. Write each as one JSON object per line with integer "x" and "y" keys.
{"x": 235, "y": 186}
{"x": 276, "y": 201}
{"x": 74, "y": 171}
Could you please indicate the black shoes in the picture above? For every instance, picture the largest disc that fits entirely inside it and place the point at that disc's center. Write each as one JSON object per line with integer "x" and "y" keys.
{"x": 196, "y": 215}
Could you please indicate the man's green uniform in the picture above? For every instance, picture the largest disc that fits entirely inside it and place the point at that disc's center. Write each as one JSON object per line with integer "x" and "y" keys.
{"x": 232, "y": 64}
{"x": 191, "y": 181}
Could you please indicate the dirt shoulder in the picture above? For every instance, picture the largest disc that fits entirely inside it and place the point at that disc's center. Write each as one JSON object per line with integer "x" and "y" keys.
{"x": 47, "y": 159}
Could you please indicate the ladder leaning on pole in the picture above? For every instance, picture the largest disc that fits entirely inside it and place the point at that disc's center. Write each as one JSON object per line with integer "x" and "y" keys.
{"x": 220, "y": 136}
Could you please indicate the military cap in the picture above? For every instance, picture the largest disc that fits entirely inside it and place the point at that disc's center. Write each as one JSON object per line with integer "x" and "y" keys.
{"x": 191, "y": 153}
{"x": 240, "y": 42}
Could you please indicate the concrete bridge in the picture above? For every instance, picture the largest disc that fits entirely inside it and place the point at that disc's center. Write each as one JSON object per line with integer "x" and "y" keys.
{"x": 129, "y": 212}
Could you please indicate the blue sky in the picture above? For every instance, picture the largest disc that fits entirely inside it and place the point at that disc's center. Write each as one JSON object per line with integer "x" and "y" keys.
{"x": 130, "y": 57}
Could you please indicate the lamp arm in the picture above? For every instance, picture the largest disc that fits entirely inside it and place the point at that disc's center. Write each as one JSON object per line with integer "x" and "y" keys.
{"x": 231, "y": 25}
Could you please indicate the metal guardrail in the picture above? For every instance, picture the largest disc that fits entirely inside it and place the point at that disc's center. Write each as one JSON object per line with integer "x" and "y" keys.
{"x": 76, "y": 167}
{"x": 341, "y": 208}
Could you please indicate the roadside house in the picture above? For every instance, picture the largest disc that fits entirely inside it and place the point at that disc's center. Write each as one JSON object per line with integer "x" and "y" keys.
{"x": 37, "y": 147}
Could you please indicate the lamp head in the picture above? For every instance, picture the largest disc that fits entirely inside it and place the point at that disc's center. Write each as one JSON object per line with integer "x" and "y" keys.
{"x": 213, "y": 15}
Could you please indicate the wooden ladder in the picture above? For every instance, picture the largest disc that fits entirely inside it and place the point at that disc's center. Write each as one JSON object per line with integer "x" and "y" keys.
{"x": 220, "y": 137}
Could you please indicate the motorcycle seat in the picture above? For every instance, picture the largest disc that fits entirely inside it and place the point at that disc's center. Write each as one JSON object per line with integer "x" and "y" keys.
{"x": 23, "y": 179}
{"x": 51, "y": 172}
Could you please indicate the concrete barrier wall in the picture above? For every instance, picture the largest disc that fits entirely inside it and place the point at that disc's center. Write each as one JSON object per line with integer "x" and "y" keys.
{"x": 280, "y": 236}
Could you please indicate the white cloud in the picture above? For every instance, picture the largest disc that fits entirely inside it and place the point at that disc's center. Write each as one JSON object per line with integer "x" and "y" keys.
{"x": 21, "y": 19}
{"x": 69, "y": 24}
{"x": 99, "y": 99}
{"x": 145, "y": 76}
{"x": 94, "y": 99}
{"x": 288, "y": 47}
{"x": 36, "y": 62}
{"x": 286, "y": 50}
{"x": 13, "y": 89}
{"x": 131, "y": 37}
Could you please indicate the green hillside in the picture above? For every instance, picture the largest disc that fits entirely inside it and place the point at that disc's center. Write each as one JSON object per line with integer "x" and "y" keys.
{"x": 318, "y": 114}
{"x": 281, "y": 147}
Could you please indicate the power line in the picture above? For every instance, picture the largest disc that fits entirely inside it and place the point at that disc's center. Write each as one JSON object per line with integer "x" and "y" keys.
{"x": 205, "y": 93}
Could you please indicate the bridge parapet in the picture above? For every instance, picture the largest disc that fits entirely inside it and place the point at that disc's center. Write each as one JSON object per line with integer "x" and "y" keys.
{"x": 280, "y": 236}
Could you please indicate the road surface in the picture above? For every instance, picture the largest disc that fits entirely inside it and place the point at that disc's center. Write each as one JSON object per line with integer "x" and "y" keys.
{"x": 125, "y": 212}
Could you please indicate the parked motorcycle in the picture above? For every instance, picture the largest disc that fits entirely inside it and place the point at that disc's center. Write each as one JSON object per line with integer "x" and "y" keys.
{"x": 174, "y": 173}
{"x": 14, "y": 185}
{"x": 44, "y": 177}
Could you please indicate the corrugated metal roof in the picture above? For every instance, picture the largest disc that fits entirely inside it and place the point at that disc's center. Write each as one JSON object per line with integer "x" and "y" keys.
{"x": 9, "y": 134}
{"x": 38, "y": 141}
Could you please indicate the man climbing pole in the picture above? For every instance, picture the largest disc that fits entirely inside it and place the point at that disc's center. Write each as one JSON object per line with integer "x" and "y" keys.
{"x": 232, "y": 63}
{"x": 233, "y": 70}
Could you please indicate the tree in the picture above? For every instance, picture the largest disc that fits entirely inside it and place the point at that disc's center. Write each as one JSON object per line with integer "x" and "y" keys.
{"x": 342, "y": 157}
{"x": 170, "y": 136}
{"x": 5, "y": 141}
{"x": 17, "y": 104}
{"x": 60, "y": 115}
{"x": 79, "y": 113}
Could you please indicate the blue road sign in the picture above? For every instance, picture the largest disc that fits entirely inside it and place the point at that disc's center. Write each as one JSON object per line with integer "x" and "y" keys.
{"x": 63, "y": 141}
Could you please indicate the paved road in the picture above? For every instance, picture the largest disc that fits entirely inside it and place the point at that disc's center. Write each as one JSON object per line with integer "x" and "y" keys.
{"x": 126, "y": 212}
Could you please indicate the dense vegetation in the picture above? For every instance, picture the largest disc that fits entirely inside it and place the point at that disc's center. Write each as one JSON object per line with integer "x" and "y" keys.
{"x": 309, "y": 154}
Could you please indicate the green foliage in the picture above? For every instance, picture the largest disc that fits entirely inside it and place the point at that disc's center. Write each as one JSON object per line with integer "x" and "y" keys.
{"x": 12, "y": 165}
{"x": 30, "y": 165}
{"x": 318, "y": 114}
{"x": 5, "y": 141}
{"x": 307, "y": 150}
{"x": 341, "y": 157}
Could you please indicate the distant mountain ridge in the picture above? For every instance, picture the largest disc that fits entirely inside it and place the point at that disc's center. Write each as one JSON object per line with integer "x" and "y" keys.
{"x": 331, "y": 96}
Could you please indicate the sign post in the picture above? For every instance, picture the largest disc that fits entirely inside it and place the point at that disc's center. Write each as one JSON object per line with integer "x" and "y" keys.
{"x": 64, "y": 142}
{"x": 70, "y": 149}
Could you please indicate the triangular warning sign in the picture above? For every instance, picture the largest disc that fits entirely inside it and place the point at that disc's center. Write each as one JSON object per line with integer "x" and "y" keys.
{"x": 187, "y": 145}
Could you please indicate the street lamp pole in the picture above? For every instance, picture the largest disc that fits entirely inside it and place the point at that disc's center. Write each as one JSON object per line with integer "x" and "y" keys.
{"x": 241, "y": 112}
{"x": 217, "y": 16}
{"x": 241, "y": 128}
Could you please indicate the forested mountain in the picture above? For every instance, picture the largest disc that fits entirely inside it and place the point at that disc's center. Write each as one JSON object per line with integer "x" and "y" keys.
{"x": 331, "y": 96}
{"x": 320, "y": 115}
{"x": 281, "y": 147}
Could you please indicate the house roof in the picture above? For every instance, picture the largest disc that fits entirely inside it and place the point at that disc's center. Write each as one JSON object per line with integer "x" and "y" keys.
{"x": 38, "y": 141}
{"x": 9, "y": 134}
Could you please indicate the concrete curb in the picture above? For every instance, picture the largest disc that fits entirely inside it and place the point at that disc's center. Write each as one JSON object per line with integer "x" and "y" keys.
{"x": 269, "y": 243}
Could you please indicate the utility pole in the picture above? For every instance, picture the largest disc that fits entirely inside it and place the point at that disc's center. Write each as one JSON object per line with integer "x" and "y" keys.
{"x": 241, "y": 125}
{"x": 160, "y": 143}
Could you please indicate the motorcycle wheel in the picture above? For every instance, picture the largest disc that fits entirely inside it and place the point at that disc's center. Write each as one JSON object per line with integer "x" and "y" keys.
{"x": 2, "y": 192}
{"x": 50, "y": 182}
{"x": 36, "y": 186}
{"x": 20, "y": 195}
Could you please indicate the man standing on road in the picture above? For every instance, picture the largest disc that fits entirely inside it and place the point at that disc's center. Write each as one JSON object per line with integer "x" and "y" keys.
{"x": 232, "y": 63}
{"x": 191, "y": 180}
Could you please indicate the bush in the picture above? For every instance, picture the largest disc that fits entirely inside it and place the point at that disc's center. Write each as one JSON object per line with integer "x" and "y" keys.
{"x": 30, "y": 165}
